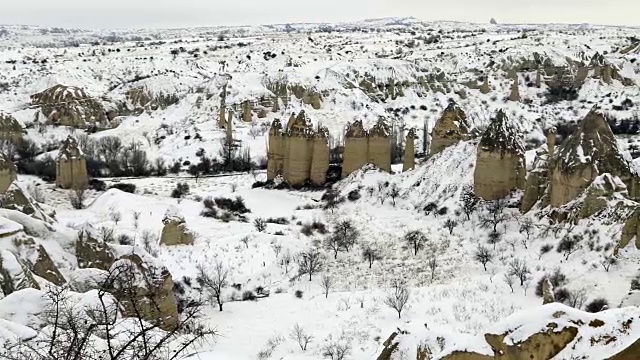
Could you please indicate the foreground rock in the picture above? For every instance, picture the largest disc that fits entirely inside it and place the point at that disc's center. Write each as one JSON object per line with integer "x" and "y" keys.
{"x": 175, "y": 230}
{"x": 70, "y": 106}
{"x": 552, "y": 331}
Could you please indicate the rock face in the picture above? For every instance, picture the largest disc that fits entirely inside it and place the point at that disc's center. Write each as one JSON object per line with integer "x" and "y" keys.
{"x": 14, "y": 274}
{"x": 298, "y": 153}
{"x": 590, "y": 151}
{"x": 46, "y": 269}
{"x": 147, "y": 290}
{"x": 362, "y": 147}
{"x": 71, "y": 166}
{"x": 536, "y": 183}
{"x": 449, "y": 129}
{"x": 7, "y": 174}
{"x": 70, "y": 106}
{"x": 93, "y": 253}
{"x": 515, "y": 90}
{"x": 379, "y": 145}
{"x": 409, "y": 162}
{"x": 500, "y": 164}
{"x": 144, "y": 99}
{"x": 10, "y": 128}
{"x": 175, "y": 230}
{"x": 247, "y": 114}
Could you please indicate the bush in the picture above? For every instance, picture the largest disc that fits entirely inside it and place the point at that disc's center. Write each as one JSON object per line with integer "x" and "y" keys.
{"x": 248, "y": 296}
{"x": 557, "y": 279}
{"x": 307, "y": 230}
{"x": 597, "y": 305}
{"x": 208, "y": 203}
{"x": 181, "y": 190}
{"x": 635, "y": 283}
{"x": 299, "y": 294}
{"x": 226, "y": 216}
{"x": 124, "y": 239}
{"x": 562, "y": 295}
{"x": 279, "y": 221}
{"x": 260, "y": 224}
{"x": 97, "y": 185}
{"x": 320, "y": 227}
{"x": 236, "y": 205}
{"x": 126, "y": 187}
{"x": 209, "y": 213}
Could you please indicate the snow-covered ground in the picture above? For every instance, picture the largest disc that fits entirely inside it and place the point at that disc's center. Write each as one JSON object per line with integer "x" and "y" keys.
{"x": 456, "y": 296}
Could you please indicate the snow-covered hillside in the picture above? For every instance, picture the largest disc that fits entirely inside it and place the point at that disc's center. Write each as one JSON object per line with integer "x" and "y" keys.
{"x": 162, "y": 90}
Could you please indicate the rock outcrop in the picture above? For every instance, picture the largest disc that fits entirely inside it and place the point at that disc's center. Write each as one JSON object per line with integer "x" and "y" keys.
{"x": 8, "y": 174}
{"x": 175, "y": 230}
{"x": 590, "y": 151}
{"x": 146, "y": 290}
{"x": 409, "y": 161}
{"x": 298, "y": 153}
{"x": 44, "y": 267}
{"x": 362, "y": 147}
{"x": 500, "y": 164}
{"x": 552, "y": 331}
{"x": 71, "y": 166}
{"x": 515, "y": 90}
{"x": 10, "y": 128}
{"x": 538, "y": 178}
{"x": 141, "y": 98}
{"x": 14, "y": 274}
{"x": 93, "y": 253}
{"x": 449, "y": 129}
{"x": 70, "y": 106}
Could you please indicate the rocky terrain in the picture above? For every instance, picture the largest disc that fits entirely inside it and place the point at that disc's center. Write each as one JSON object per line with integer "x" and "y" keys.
{"x": 384, "y": 189}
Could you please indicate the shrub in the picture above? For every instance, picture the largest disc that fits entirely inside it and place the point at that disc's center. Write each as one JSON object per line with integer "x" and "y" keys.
{"x": 180, "y": 190}
{"x": 320, "y": 227}
{"x": 279, "y": 233}
{"x": 124, "y": 239}
{"x": 635, "y": 283}
{"x": 299, "y": 294}
{"x": 209, "y": 213}
{"x": 430, "y": 207}
{"x": 208, "y": 203}
{"x": 562, "y": 295}
{"x": 97, "y": 185}
{"x": 307, "y": 230}
{"x": 126, "y": 187}
{"x": 597, "y": 305}
{"x": 260, "y": 224}
{"x": 234, "y": 205}
{"x": 248, "y": 296}
{"x": 279, "y": 221}
{"x": 226, "y": 216}
{"x": 557, "y": 278}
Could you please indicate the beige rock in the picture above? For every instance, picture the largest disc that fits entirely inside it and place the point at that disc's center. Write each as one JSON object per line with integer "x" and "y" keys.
{"x": 71, "y": 166}
{"x": 229, "y": 132}
{"x": 299, "y": 150}
{"x": 547, "y": 292}
{"x": 500, "y": 164}
{"x": 93, "y": 253}
{"x": 538, "y": 79}
{"x": 449, "y": 129}
{"x": 10, "y": 128}
{"x": 515, "y": 91}
{"x": 356, "y": 148}
{"x": 573, "y": 171}
{"x": 247, "y": 114}
{"x": 379, "y": 145}
{"x": 262, "y": 113}
{"x": 631, "y": 230}
{"x": 152, "y": 296}
{"x": 46, "y": 269}
{"x": 409, "y": 162}
{"x": 485, "y": 88}
{"x": 222, "y": 121}
{"x": 543, "y": 345}
{"x": 175, "y": 230}
{"x": 320, "y": 157}
{"x": 8, "y": 174}
{"x": 70, "y": 106}
{"x": 536, "y": 183}
{"x": 275, "y": 154}
{"x": 466, "y": 355}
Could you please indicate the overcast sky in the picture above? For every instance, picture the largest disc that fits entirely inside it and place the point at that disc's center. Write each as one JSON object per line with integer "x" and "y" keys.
{"x": 183, "y": 13}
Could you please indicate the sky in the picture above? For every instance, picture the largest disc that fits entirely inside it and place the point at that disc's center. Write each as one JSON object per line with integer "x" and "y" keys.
{"x": 187, "y": 13}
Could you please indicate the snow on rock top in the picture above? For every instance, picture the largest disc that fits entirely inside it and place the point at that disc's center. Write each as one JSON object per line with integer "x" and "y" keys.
{"x": 70, "y": 149}
{"x": 172, "y": 215}
{"x": 502, "y": 135}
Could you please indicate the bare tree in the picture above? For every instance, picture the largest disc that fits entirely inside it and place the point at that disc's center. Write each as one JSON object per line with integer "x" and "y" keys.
{"x": 494, "y": 238}
{"x": 277, "y": 249}
{"x": 398, "y": 296}
{"x": 371, "y": 253}
{"x": 415, "y": 239}
{"x": 527, "y": 228}
{"x": 115, "y": 216}
{"x": 450, "y": 224}
{"x": 327, "y": 283}
{"x": 300, "y": 336}
{"x": 469, "y": 201}
{"x": 333, "y": 243}
{"x": 310, "y": 262}
{"x": 519, "y": 269}
{"x": 77, "y": 198}
{"x": 433, "y": 265}
{"x": 337, "y": 350}
{"x": 483, "y": 256}
{"x": 331, "y": 200}
{"x": 394, "y": 192}
{"x": 136, "y": 219}
{"x": 286, "y": 261}
{"x": 215, "y": 281}
{"x": 260, "y": 224}
{"x": 245, "y": 240}
{"x": 608, "y": 261}
{"x": 346, "y": 233}
{"x": 495, "y": 214}
{"x": 510, "y": 280}
{"x": 107, "y": 234}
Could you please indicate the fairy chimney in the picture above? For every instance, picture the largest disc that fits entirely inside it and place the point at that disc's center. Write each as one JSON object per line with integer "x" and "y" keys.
{"x": 10, "y": 128}
{"x": 70, "y": 106}
{"x": 515, "y": 91}
{"x": 320, "y": 157}
{"x": 409, "y": 162}
{"x": 71, "y": 166}
{"x": 275, "y": 154}
{"x": 7, "y": 174}
{"x": 485, "y": 88}
{"x": 379, "y": 145}
{"x": 247, "y": 114}
{"x": 222, "y": 122}
{"x": 355, "y": 148}
{"x": 449, "y": 129}
{"x": 500, "y": 164}
{"x": 297, "y": 166}
{"x": 551, "y": 140}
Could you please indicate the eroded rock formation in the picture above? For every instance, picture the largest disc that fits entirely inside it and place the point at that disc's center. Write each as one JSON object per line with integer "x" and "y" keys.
{"x": 590, "y": 151}
{"x": 538, "y": 178}
{"x": 175, "y": 230}
{"x": 44, "y": 267}
{"x": 10, "y": 128}
{"x": 70, "y": 106}
{"x": 71, "y": 166}
{"x": 362, "y": 147}
{"x": 449, "y": 129}
{"x": 93, "y": 253}
{"x": 7, "y": 174}
{"x": 500, "y": 164}
{"x": 409, "y": 162}
{"x": 14, "y": 274}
